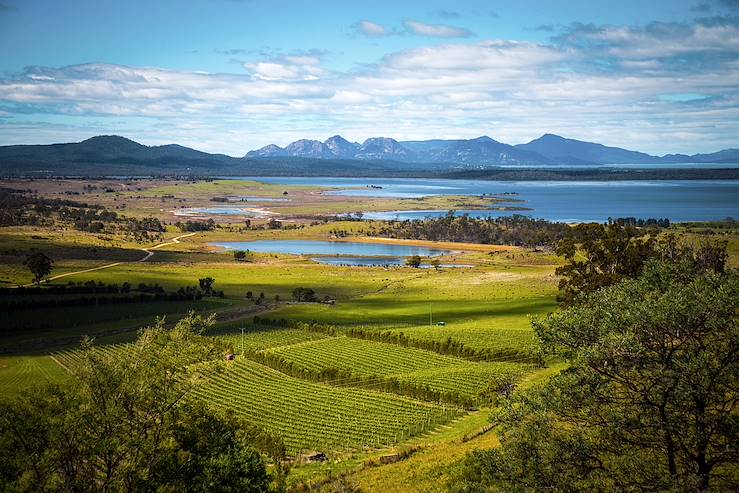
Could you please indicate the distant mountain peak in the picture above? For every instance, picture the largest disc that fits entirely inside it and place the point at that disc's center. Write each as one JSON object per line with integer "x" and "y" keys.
{"x": 341, "y": 148}
{"x": 110, "y": 138}
{"x": 571, "y": 151}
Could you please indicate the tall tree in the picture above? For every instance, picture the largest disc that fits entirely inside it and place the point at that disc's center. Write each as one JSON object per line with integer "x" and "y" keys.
{"x": 648, "y": 403}
{"x": 599, "y": 256}
{"x": 39, "y": 265}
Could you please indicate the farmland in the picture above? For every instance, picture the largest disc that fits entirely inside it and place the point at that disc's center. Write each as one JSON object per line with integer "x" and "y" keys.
{"x": 317, "y": 416}
{"x": 370, "y": 373}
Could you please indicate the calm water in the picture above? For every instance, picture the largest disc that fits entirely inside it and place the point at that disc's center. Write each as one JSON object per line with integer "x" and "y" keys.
{"x": 217, "y": 211}
{"x": 334, "y": 248}
{"x": 377, "y": 262}
{"x": 569, "y": 201}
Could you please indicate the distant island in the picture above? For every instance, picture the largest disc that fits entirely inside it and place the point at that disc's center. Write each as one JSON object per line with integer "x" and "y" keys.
{"x": 109, "y": 155}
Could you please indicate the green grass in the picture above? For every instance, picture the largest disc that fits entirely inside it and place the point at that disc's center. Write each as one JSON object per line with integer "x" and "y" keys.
{"x": 317, "y": 416}
{"x": 21, "y": 372}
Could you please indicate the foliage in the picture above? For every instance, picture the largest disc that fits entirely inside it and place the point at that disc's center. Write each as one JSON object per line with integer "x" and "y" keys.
{"x": 513, "y": 230}
{"x": 413, "y": 261}
{"x": 241, "y": 255}
{"x": 206, "y": 284}
{"x": 304, "y": 295}
{"x": 196, "y": 226}
{"x": 600, "y": 256}
{"x": 603, "y": 255}
{"x": 127, "y": 423}
{"x": 649, "y": 400}
{"x": 39, "y": 265}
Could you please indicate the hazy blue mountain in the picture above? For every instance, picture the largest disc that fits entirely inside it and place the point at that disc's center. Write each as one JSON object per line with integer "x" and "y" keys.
{"x": 571, "y": 151}
{"x": 309, "y": 148}
{"x": 380, "y": 148}
{"x": 725, "y": 156}
{"x": 341, "y": 148}
{"x": 270, "y": 150}
{"x": 425, "y": 146}
{"x": 106, "y": 148}
{"x": 111, "y": 155}
{"x": 483, "y": 151}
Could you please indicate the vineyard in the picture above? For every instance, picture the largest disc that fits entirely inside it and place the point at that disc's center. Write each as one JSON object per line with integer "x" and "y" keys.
{"x": 256, "y": 340}
{"x": 316, "y": 416}
{"x": 306, "y": 415}
{"x": 487, "y": 343}
{"x": 342, "y": 356}
{"x": 69, "y": 359}
{"x": 362, "y": 356}
{"x": 22, "y": 372}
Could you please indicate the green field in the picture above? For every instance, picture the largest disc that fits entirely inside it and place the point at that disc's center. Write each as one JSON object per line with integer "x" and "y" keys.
{"x": 257, "y": 340}
{"x": 377, "y": 359}
{"x": 21, "y": 372}
{"x": 367, "y": 377}
{"x": 317, "y": 416}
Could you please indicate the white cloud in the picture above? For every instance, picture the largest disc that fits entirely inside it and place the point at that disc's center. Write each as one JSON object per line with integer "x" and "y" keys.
{"x": 436, "y": 30}
{"x": 510, "y": 90}
{"x": 371, "y": 29}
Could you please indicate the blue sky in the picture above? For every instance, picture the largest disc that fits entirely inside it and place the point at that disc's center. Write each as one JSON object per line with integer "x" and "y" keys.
{"x": 229, "y": 75}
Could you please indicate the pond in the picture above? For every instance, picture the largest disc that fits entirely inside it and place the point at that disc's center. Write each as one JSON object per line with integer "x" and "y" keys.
{"x": 220, "y": 211}
{"x": 332, "y": 248}
{"x": 377, "y": 262}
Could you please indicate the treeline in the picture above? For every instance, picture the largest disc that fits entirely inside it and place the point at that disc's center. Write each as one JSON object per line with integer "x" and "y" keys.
{"x": 102, "y": 294}
{"x": 196, "y": 226}
{"x": 18, "y": 208}
{"x": 87, "y": 287}
{"x": 512, "y": 230}
{"x": 517, "y": 230}
{"x": 642, "y": 223}
{"x": 99, "y": 300}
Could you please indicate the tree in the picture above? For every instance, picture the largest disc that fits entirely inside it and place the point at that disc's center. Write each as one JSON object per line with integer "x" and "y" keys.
{"x": 304, "y": 295}
{"x": 413, "y": 261}
{"x": 239, "y": 255}
{"x": 206, "y": 284}
{"x": 599, "y": 256}
{"x": 127, "y": 423}
{"x": 648, "y": 402}
{"x": 39, "y": 265}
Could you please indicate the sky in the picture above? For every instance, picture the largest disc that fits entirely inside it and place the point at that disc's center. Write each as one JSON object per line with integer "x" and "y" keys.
{"x": 229, "y": 76}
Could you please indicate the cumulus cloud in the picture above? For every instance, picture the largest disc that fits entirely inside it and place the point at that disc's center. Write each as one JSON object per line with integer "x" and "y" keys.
{"x": 296, "y": 66}
{"x": 436, "y": 30}
{"x": 620, "y": 85}
{"x": 712, "y": 40}
{"x": 371, "y": 29}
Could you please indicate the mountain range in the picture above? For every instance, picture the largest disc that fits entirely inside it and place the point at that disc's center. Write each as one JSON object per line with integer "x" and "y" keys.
{"x": 482, "y": 151}
{"x": 110, "y": 154}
